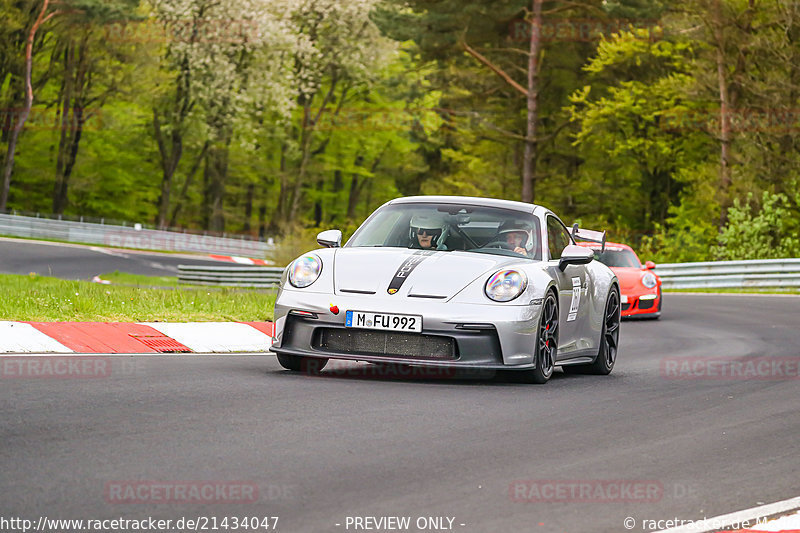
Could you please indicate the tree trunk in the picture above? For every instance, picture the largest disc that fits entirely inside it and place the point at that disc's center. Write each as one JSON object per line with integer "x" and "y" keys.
{"x": 217, "y": 172}
{"x": 529, "y": 160}
{"x": 352, "y": 200}
{"x": 283, "y": 195}
{"x": 248, "y": 206}
{"x": 305, "y": 151}
{"x": 724, "y": 112}
{"x": 67, "y": 90}
{"x": 336, "y": 189}
{"x": 319, "y": 187}
{"x": 186, "y": 183}
{"x": 262, "y": 221}
{"x": 73, "y": 117}
{"x": 171, "y": 156}
{"x": 206, "y": 210}
{"x": 356, "y": 187}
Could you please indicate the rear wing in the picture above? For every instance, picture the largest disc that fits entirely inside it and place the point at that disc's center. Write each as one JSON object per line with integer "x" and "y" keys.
{"x": 589, "y": 236}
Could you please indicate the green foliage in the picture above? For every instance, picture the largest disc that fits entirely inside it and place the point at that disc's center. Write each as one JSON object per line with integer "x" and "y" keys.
{"x": 125, "y": 278}
{"x": 627, "y": 137}
{"x": 768, "y": 231}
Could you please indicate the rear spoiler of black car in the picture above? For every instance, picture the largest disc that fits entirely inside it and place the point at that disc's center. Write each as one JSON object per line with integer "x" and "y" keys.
{"x": 589, "y": 236}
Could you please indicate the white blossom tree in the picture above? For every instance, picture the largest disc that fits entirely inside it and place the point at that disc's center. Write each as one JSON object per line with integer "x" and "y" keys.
{"x": 230, "y": 64}
{"x": 247, "y": 65}
{"x": 336, "y": 48}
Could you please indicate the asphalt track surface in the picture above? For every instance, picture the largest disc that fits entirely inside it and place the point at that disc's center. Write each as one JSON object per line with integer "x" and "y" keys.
{"x": 353, "y": 443}
{"x": 78, "y": 262}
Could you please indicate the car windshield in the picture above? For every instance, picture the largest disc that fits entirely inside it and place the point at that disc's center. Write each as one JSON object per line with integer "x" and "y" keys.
{"x": 620, "y": 258}
{"x": 449, "y": 227}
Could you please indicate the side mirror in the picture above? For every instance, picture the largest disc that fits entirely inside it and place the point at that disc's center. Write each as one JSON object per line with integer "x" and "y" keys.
{"x": 575, "y": 255}
{"x": 331, "y": 238}
{"x": 649, "y": 265}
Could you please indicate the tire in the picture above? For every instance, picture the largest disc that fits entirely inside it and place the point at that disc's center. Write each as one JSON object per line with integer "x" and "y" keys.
{"x": 609, "y": 341}
{"x": 546, "y": 347}
{"x": 306, "y": 365}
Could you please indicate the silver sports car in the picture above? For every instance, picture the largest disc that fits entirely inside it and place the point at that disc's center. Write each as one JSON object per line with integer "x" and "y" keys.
{"x": 452, "y": 282}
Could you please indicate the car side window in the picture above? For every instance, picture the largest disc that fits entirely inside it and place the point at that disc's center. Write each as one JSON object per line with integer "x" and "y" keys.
{"x": 557, "y": 237}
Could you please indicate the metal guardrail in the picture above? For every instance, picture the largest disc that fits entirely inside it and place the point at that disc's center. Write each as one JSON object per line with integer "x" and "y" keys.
{"x": 128, "y": 237}
{"x": 231, "y": 276}
{"x": 762, "y": 273}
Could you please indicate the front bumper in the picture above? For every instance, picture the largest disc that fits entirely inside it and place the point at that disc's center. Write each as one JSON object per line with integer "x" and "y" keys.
{"x": 454, "y": 335}
{"x": 642, "y": 303}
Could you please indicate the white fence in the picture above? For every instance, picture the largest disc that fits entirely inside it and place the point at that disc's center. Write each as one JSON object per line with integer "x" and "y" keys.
{"x": 762, "y": 273}
{"x": 128, "y": 237}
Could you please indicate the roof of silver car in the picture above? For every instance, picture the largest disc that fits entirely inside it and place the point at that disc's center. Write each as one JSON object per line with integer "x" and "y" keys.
{"x": 469, "y": 200}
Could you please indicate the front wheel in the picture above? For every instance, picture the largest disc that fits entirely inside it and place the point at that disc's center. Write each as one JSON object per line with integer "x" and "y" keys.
{"x": 307, "y": 365}
{"x": 546, "y": 343}
{"x": 609, "y": 341}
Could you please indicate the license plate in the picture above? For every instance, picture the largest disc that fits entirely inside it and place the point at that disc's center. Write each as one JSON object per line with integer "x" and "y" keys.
{"x": 383, "y": 321}
{"x": 624, "y": 298}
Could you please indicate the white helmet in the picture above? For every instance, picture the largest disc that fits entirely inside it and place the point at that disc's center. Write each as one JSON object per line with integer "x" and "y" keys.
{"x": 528, "y": 240}
{"x": 430, "y": 224}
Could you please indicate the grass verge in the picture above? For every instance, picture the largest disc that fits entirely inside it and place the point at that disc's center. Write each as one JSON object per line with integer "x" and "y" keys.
{"x": 123, "y": 278}
{"x": 43, "y": 299}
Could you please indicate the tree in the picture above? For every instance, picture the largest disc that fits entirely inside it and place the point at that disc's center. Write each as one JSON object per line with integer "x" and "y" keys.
{"x": 8, "y": 167}
{"x": 230, "y": 64}
{"x": 725, "y": 28}
{"x": 336, "y": 49}
{"x": 633, "y": 135}
{"x": 86, "y": 10}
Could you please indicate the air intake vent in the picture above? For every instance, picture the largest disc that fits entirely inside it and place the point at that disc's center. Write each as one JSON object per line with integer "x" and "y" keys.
{"x": 365, "y": 342}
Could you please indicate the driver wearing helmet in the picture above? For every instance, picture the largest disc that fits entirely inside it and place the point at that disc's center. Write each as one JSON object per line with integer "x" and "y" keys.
{"x": 519, "y": 239}
{"x": 427, "y": 232}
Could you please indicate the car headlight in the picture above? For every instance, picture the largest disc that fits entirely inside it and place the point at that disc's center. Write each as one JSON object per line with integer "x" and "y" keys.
{"x": 505, "y": 285}
{"x": 649, "y": 280}
{"x": 305, "y": 270}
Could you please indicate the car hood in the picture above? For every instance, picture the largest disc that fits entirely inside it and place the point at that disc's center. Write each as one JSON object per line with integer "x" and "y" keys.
{"x": 629, "y": 278}
{"x": 439, "y": 275}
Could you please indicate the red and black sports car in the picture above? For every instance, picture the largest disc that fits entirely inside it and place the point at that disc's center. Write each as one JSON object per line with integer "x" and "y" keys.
{"x": 640, "y": 287}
